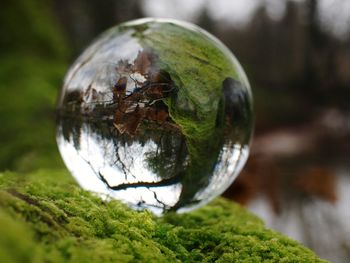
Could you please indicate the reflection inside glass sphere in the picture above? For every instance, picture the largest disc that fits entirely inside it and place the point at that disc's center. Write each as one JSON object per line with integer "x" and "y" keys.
{"x": 157, "y": 114}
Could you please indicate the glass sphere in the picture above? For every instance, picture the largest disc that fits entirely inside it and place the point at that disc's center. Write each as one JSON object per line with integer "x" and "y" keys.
{"x": 156, "y": 113}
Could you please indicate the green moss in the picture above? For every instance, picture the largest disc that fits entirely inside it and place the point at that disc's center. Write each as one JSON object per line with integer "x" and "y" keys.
{"x": 28, "y": 87}
{"x": 46, "y": 217}
{"x": 32, "y": 64}
{"x": 198, "y": 65}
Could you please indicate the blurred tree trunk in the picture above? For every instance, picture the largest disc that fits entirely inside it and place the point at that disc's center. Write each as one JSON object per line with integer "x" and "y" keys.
{"x": 84, "y": 20}
{"x": 313, "y": 40}
{"x": 320, "y": 65}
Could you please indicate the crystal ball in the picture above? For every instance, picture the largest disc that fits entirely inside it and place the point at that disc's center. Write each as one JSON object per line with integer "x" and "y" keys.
{"x": 155, "y": 113}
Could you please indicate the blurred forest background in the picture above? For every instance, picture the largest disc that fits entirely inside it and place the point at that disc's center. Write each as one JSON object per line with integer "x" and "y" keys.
{"x": 296, "y": 54}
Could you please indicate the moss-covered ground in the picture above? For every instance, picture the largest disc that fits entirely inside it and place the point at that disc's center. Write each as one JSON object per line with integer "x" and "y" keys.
{"x": 46, "y": 217}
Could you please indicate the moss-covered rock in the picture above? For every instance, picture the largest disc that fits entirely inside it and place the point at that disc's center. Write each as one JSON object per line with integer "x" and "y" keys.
{"x": 46, "y": 217}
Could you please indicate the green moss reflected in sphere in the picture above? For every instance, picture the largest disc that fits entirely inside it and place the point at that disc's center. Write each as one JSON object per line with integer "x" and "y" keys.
{"x": 156, "y": 113}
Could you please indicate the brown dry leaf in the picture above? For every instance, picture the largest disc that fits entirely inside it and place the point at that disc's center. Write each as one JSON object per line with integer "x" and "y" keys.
{"x": 129, "y": 122}
{"x": 162, "y": 116}
{"x": 157, "y": 115}
{"x": 155, "y": 92}
{"x": 121, "y": 83}
{"x": 318, "y": 181}
{"x": 119, "y": 90}
{"x": 133, "y": 120}
{"x": 142, "y": 63}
